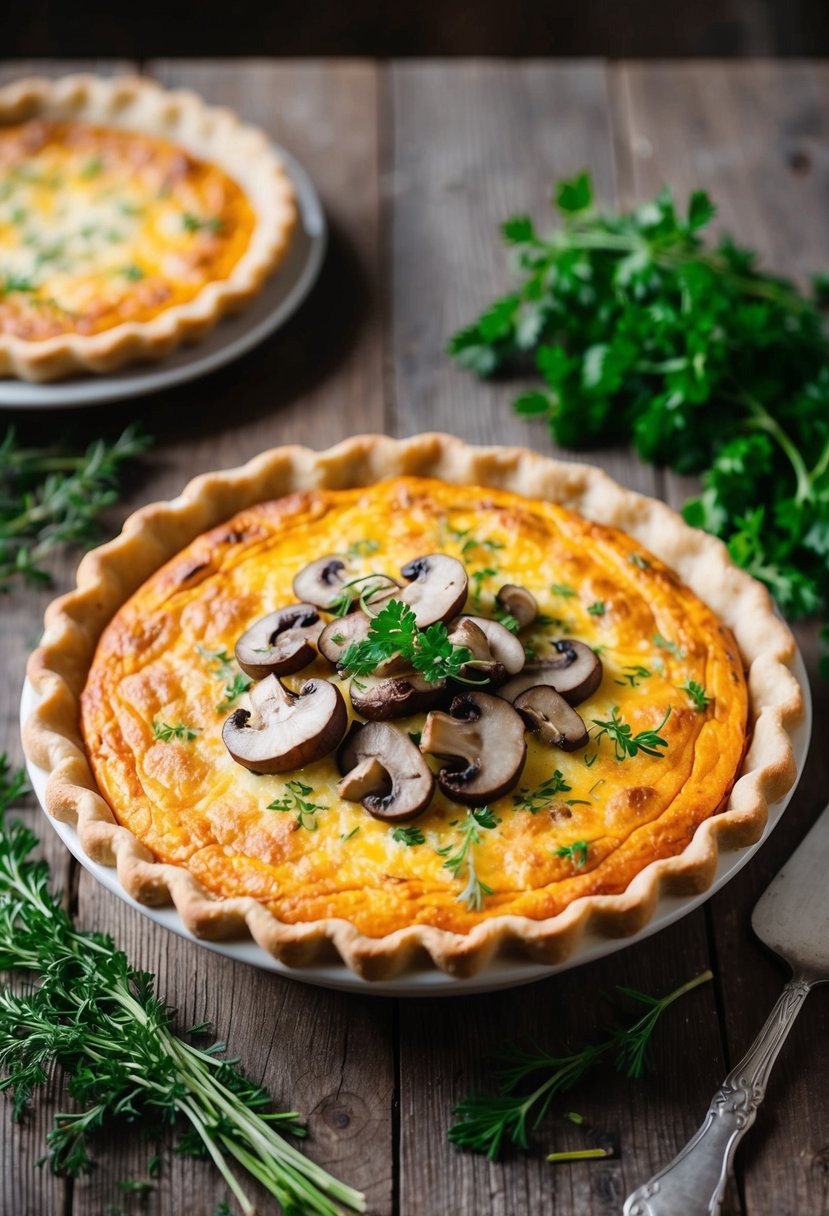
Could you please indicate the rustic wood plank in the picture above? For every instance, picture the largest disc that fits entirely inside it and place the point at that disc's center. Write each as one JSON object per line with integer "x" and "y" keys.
{"x": 474, "y": 143}
{"x": 328, "y": 1055}
{"x": 753, "y": 134}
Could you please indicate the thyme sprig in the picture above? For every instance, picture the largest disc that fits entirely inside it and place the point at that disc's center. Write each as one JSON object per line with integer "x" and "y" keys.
{"x": 298, "y": 800}
{"x": 51, "y": 497}
{"x": 486, "y": 1122}
{"x": 98, "y": 1017}
{"x": 625, "y": 743}
{"x": 475, "y": 891}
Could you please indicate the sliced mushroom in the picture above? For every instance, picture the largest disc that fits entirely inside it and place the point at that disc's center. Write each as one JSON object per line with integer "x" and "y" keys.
{"x": 484, "y": 745}
{"x": 491, "y": 644}
{"x": 280, "y": 642}
{"x": 576, "y": 675}
{"x": 519, "y": 603}
{"x": 551, "y": 719}
{"x": 320, "y": 582}
{"x": 338, "y": 635}
{"x": 385, "y": 772}
{"x": 323, "y": 582}
{"x": 380, "y": 699}
{"x": 286, "y": 730}
{"x": 437, "y": 588}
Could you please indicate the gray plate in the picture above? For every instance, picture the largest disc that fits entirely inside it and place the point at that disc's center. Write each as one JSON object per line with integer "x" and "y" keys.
{"x": 233, "y": 336}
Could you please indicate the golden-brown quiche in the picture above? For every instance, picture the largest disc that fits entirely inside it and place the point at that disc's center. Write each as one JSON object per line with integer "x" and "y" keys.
{"x": 413, "y": 699}
{"x": 131, "y": 220}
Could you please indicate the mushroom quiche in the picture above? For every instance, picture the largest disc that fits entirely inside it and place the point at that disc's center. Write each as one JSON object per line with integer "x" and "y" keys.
{"x": 131, "y": 219}
{"x": 409, "y": 715}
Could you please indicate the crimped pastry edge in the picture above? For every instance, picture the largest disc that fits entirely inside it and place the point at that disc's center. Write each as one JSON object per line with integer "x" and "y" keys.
{"x": 210, "y": 132}
{"x": 107, "y": 576}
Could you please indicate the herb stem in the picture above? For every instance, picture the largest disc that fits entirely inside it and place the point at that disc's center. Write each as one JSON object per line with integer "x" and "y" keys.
{"x": 762, "y": 420}
{"x": 579, "y": 1154}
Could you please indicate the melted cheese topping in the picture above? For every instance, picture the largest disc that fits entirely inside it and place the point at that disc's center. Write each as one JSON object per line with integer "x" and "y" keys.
{"x": 578, "y": 823}
{"x": 99, "y": 226}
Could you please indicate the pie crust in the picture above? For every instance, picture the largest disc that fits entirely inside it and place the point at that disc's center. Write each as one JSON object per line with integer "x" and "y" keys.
{"x": 132, "y": 218}
{"x": 109, "y": 576}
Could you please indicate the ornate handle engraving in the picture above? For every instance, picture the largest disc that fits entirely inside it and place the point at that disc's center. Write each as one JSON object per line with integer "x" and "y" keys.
{"x": 694, "y": 1182}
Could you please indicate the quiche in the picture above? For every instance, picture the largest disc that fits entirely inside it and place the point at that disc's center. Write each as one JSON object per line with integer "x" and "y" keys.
{"x": 131, "y": 219}
{"x": 413, "y": 701}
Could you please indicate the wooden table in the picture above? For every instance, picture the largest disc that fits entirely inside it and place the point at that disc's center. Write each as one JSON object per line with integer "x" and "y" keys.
{"x": 417, "y": 163}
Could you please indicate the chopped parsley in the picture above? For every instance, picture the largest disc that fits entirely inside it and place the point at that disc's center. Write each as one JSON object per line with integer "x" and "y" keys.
{"x": 192, "y": 223}
{"x": 697, "y": 695}
{"x": 298, "y": 801}
{"x": 409, "y": 836}
{"x": 671, "y": 647}
{"x": 633, "y": 675}
{"x": 575, "y": 852}
{"x": 598, "y": 608}
{"x": 536, "y": 800}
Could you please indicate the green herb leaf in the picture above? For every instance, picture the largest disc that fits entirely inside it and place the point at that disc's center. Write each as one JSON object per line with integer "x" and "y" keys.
{"x": 298, "y": 801}
{"x": 698, "y": 697}
{"x": 625, "y": 742}
{"x": 538, "y": 799}
{"x": 165, "y": 732}
{"x": 575, "y": 852}
{"x": 409, "y": 836}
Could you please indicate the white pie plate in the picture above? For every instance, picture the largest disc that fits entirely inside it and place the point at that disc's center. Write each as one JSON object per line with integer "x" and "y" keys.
{"x": 233, "y": 336}
{"x": 498, "y": 974}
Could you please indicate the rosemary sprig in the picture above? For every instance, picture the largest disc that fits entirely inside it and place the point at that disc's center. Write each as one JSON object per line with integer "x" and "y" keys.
{"x": 487, "y": 1121}
{"x": 100, "y": 1019}
{"x": 50, "y": 497}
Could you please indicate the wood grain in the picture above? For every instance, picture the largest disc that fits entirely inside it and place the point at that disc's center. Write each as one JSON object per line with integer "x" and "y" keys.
{"x": 754, "y": 135}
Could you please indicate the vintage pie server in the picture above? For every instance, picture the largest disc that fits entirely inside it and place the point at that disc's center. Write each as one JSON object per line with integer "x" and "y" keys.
{"x": 792, "y": 918}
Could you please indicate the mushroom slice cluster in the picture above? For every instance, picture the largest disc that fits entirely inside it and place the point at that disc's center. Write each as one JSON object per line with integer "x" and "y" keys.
{"x": 385, "y": 772}
{"x": 286, "y": 730}
{"x": 437, "y": 588}
{"x": 551, "y": 719}
{"x": 280, "y": 643}
{"x": 496, "y": 653}
{"x": 575, "y": 675}
{"x": 482, "y": 740}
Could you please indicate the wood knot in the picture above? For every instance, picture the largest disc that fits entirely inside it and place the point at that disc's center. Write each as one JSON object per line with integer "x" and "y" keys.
{"x": 342, "y": 1115}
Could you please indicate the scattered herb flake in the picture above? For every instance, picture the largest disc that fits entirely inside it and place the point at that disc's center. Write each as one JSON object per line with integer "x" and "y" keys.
{"x": 697, "y": 695}
{"x": 408, "y": 835}
{"x": 165, "y": 732}
{"x": 625, "y": 742}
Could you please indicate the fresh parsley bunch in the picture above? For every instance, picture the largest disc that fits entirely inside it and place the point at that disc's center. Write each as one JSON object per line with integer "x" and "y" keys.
{"x": 643, "y": 334}
{"x": 394, "y": 631}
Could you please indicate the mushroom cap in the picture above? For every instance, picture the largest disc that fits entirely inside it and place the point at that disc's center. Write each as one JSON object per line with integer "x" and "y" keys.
{"x": 385, "y": 772}
{"x": 338, "y": 635}
{"x": 321, "y": 581}
{"x": 280, "y": 642}
{"x": 551, "y": 719}
{"x": 437, "y": 588}
{"x": 393, "y": 697}
{"x": 286, "y": 730}
{"x": 485, "y": 746}
{"x": 575, "y": 675}
{"x": 502, "y": 648}
{"x": 519, "y": 603}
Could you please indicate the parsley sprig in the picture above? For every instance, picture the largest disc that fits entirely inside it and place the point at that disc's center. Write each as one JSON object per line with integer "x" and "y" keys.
{"x": 643, "y": 333}
{"x": 486, "y": 1122}
{"x": 50, "y": 496}
{"x": 625, "y": 743}
{"x": 91, "y": 1012}
{"x": 394, "y": 631}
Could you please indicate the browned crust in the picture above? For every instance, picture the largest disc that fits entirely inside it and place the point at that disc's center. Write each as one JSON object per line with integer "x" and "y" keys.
{"x": 109, "y": 575}
{"x": 214, "y": 133}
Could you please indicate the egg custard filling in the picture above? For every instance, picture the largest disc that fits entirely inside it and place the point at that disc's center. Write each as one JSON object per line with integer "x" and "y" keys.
{"x": 414, "y": 704}
{"x": 100, "y": 225}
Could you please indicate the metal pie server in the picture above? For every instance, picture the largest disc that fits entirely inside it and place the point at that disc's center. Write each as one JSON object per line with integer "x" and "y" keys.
{"x": 792, "y": 918}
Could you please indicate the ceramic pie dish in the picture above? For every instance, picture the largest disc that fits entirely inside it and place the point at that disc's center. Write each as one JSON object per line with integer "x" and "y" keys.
{"x": 132, "y": 218}
{"x": 686, "y": 710}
